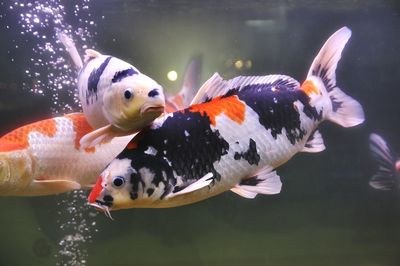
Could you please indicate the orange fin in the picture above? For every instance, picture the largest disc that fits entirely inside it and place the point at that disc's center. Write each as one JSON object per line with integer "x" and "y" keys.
{"x": 101, "y": 135}
{"x": 97, "y": 136}
{"x": 57, "y": 186}
{"x": 88, "y": 186}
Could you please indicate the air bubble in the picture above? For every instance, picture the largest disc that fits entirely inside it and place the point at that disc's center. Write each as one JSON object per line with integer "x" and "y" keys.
{"x": 49, "y": 71}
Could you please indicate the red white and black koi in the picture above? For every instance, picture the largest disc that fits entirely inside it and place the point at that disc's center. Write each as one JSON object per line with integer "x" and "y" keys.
{"x": 116, "y": 97}
{"x": 387, "y": 176}
{"x": 232, "y": 137}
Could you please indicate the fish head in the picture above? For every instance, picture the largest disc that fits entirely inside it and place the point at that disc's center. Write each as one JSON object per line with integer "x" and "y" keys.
{"x": 112, "y": 190}
{"x": 134, "y": 102}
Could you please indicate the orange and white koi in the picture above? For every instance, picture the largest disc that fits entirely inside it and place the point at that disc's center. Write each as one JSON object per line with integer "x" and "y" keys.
{"x": 46, "y": 157}
{"x": 233, "y": 137}
{"x": 387, "y": 176}
{"x": 116, "y": 98}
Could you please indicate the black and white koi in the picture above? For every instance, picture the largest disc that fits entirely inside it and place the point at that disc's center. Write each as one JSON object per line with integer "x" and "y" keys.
{"x": 116, "y": 98}
{"x": 232, "y": 137}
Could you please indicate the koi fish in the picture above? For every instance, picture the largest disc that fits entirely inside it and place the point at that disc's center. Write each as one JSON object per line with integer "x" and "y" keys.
{"x": 191, "y": 83}
{"x": 387, "y": 176}
{"x": 116, "y": 98}
{"x": 233, "y": 137}
{"x": 46, "y": 157}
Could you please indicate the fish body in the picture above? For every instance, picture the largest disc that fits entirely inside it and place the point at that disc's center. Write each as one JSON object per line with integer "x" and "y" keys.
{"x": 46, "y": 158}
{"x": 116, "y": 98}
{"x": 232, "y": 137}
{"x": 387, "y": 176}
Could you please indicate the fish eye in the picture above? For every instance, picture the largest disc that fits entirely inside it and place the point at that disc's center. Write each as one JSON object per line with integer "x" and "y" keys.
{"x": 118, "y": 181}
{"x": 128, "y": 94}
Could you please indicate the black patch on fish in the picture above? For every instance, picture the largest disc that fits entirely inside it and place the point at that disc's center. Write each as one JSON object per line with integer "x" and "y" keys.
{"x": 106, "y": 203}
{"x": 335, "y": 104}
{"x": 274, "y": 104}
{"x": 311, "y": 138}
{"x": 133, "y": 195}
{"x": 135, "y": 180}
{"x": 120, "y": 75}
{"x": 150, "y": 191}
{"x": 93, "y": 80}
{"x": 321, "y": 73}
{"x": 191, "y": 157}
{"x": 108, "y": 199}
{"x": 153, "y": 93}
{"x": 253, "y": 181}
{"x": 251, "y": 155}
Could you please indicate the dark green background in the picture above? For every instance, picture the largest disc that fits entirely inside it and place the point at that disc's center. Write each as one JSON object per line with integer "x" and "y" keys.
{"x": 326, "y": 213}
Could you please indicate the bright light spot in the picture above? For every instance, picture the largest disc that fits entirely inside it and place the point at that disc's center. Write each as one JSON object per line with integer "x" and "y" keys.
{"x": 172, "y": 75}
{"x": 248, "y": 64}
{"x": 239, "y": 64}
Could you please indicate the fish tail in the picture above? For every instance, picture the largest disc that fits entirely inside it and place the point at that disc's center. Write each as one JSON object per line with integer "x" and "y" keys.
{"x": 321, "y": 81}
{"x": 385, "y": 176}
{"x": 70, "y": 48}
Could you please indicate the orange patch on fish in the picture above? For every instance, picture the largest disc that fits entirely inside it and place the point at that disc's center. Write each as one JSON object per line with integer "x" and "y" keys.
{"x": 231, "y": 106}
{"x": 6, "y": 145}
{"x": 96, "y": 190}
{"x": 81, "y": 128}
{"x": 309, "y": 87}
{"x": 132, "y": 145}
{"x": 18, "y": 139}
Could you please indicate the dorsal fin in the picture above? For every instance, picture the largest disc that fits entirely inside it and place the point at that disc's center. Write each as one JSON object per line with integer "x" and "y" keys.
{"x": 90, "y": 53}
{"x": 214, "y": 82}
{"x": 216, "y": 86}
{"x": 191, "y": 80}
{"x": 70, "y": 48}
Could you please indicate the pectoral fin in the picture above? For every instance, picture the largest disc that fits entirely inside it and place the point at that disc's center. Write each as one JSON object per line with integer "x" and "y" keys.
{"x": 101, "y": 135}
{"x": 56, "y": 186}
{"x": 202, "y": 182}
{"x": 265, "y": 181}
{"x": 90, "y": 53}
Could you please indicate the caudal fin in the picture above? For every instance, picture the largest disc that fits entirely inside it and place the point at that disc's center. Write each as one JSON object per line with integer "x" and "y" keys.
{"x": 71, "y": 48}
{"x": 190, "y": 86}
{"x": 345, "y": 111}
{"x": 385, "y": 176}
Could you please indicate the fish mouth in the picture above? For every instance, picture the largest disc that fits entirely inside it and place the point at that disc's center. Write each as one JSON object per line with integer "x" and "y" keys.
{"x": 101, "y": 206}
{"x": 152, "y": 109}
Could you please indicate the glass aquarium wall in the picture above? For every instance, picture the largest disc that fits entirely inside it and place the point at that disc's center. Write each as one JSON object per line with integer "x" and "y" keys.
{"x": 326, "y": 214}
